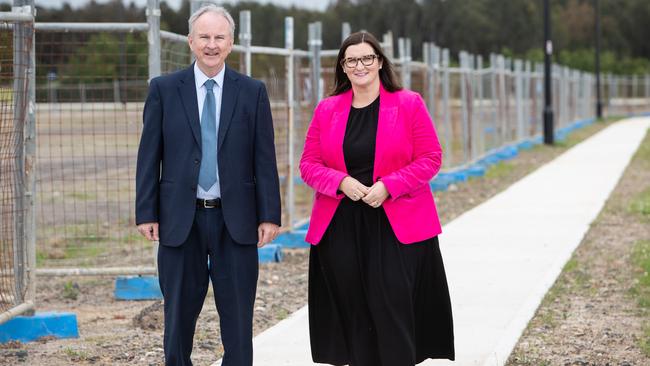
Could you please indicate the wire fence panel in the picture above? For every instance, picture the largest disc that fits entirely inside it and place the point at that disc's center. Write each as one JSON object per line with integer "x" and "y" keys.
{"x": 90, "y": 88}
{"x": 15, "y": 67}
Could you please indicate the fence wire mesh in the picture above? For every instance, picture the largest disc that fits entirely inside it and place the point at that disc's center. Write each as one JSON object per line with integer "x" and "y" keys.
{"x": 90, "y": 92}
{"x": 90, "y": 88}
{"x": 15, "y": 58}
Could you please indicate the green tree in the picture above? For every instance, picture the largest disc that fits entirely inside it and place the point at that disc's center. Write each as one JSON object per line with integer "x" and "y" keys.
{"x": 107, "y": 57}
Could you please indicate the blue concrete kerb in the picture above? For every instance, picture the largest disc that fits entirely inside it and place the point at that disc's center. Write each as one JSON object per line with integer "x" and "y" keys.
{"x": 46, "y": 324}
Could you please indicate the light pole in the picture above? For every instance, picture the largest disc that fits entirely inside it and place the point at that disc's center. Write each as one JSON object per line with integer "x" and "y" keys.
{"x": 548, "y": 52}
{"x": 599, "y": 103}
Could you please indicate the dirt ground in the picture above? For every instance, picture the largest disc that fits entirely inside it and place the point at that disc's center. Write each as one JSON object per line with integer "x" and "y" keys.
{"x": 130, "y": 332}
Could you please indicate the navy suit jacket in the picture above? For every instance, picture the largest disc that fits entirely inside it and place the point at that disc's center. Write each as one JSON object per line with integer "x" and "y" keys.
{"x": 169, "y": 157}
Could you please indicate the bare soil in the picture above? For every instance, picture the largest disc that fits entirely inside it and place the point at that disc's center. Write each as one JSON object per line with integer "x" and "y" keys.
{"x": 130, "y": 332}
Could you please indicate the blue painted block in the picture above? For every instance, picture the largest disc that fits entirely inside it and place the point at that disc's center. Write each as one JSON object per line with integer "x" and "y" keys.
{"x": 270, "y": 253}
{"x": 137, "y": 288}
{"x": 295, "y": 239}
{"x": 461, "y": 176}
{"x": 46, "y": 324}
{"x": 476, "y": 170}
{"x": 442, "y": 181}
{"x": 438, "y": 185}
{"x": 490, "y": 160}
{"x": 296, "y": 180}
{"x": 525, "y": 145}
{"x": 507, "y": 152}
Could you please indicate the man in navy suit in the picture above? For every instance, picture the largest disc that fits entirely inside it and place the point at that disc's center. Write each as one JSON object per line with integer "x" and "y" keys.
{"x": 207, "y": 187}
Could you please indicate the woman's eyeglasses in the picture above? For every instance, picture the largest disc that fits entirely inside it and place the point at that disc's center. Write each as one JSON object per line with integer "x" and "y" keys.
{"x": 352, "y": 62}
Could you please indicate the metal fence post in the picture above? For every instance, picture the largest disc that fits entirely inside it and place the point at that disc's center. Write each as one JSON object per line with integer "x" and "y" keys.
{"x": 401, "y": 51}
{"x": 464, "y": 105}
{"x": 288, "y": 44}
{"x": 427, "y": 53}
{"x": 445, "y": 105}
{"x": 473, "y": 114}
{"x": 494, "y": 105}
{"x": 519, "y": 95}
{"x": 345, "y": 31}
{"x": 155, "y": 69}
{"x": 407, "y": 46}
{"x": 21, "y": 65}
{"x": 23, "y": 179}
{"x": 153, "y": 19}
{"x": 315, "y": 44}
{"x": 30, "y": 168}
{"x": 195, "y": 5}
{"x": 503, "y": 102}
{"x": 245, "y": 38}
{"x": 387, "y": 43}
{"x": 527, "y": 96}
{"x": 435, "y": 67}
{"x": 480, "y": 130}
{"x": 588, "y": 94}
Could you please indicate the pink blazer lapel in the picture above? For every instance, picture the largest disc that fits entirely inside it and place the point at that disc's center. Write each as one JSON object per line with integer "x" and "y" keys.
{"x": 338, "y": 124}
{"x": 388, "y": 104}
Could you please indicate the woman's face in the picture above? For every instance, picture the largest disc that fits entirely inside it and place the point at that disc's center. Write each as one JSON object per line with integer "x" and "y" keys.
{"x": 361, "y": 65}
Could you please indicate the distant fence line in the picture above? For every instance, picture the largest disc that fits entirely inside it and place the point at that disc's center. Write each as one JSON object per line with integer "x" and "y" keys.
{"x": 91, "y": 81}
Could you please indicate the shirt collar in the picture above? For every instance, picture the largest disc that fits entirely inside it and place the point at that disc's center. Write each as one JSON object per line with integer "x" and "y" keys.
{"x": 200, "y": 78}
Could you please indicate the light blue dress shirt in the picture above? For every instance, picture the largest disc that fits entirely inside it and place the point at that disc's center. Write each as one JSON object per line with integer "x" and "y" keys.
{"x": 200, "y": 78}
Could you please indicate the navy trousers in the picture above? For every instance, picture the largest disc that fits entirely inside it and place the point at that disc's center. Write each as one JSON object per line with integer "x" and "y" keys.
{"x": 184, "y": 274}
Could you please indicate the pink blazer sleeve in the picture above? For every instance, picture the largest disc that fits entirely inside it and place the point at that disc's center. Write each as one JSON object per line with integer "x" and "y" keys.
{"x": 313, "y": 170}
{"x": 427, "y": 155}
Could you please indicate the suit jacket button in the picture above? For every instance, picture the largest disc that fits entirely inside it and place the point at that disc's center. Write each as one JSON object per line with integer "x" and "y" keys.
{"x": 196, "y": 161}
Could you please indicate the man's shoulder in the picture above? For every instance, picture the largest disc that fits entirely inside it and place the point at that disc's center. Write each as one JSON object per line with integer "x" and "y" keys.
{"x": 244, "y": 79}
{"x": 170, "y": 78}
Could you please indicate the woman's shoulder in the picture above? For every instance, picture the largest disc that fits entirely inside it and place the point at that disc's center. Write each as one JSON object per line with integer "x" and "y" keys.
{"x": 406, "y": 95}
{"x": 329, "y": 103}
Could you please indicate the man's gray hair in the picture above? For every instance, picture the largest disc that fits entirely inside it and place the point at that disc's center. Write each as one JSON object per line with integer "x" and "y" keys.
{"x": 211, "y": 8}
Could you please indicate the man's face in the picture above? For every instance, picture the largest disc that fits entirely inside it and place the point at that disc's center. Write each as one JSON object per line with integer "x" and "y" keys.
{"x": 211, "y": 42}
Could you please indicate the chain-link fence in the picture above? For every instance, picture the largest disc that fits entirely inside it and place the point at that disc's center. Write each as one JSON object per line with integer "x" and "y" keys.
{"x": 16, "y": 120}
{"x": 92, "y": 80}
{"x": 90, "y": 88}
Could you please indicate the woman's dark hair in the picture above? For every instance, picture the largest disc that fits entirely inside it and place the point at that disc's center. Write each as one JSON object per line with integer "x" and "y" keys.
{"x": 386, "y": 73}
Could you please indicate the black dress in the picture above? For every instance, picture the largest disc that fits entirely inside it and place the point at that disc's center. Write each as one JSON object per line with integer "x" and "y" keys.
{"x": 372, "y": 300}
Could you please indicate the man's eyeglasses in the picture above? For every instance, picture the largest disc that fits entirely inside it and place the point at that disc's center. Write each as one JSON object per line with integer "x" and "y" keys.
{"x": 352, "y": 62}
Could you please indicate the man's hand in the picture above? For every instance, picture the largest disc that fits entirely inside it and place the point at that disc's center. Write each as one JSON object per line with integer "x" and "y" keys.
{"x": 377, "y": 195}
{"x": 149, "y": 230}
{"x": 266, "y": 233}
{"x": 353, "y": 188}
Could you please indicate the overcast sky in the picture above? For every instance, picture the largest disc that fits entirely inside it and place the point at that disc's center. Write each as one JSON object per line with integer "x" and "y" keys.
{"x": 309, "y": 4}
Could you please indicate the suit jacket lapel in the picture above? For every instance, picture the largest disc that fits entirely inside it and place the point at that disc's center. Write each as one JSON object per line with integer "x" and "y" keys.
{"x": 388, "y": 104}
{"x": 187, "y": 91}
{"x": 228, "y": 101}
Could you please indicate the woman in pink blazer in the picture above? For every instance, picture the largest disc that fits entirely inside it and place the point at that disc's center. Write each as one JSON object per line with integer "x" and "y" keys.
{"x": 377, "y": 288}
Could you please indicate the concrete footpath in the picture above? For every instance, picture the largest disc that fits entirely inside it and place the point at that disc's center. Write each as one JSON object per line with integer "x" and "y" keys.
{"x": 502, "y": 256}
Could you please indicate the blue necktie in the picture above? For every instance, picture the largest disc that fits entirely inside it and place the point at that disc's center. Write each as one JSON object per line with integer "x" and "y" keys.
{"x": 208, "y": 172}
